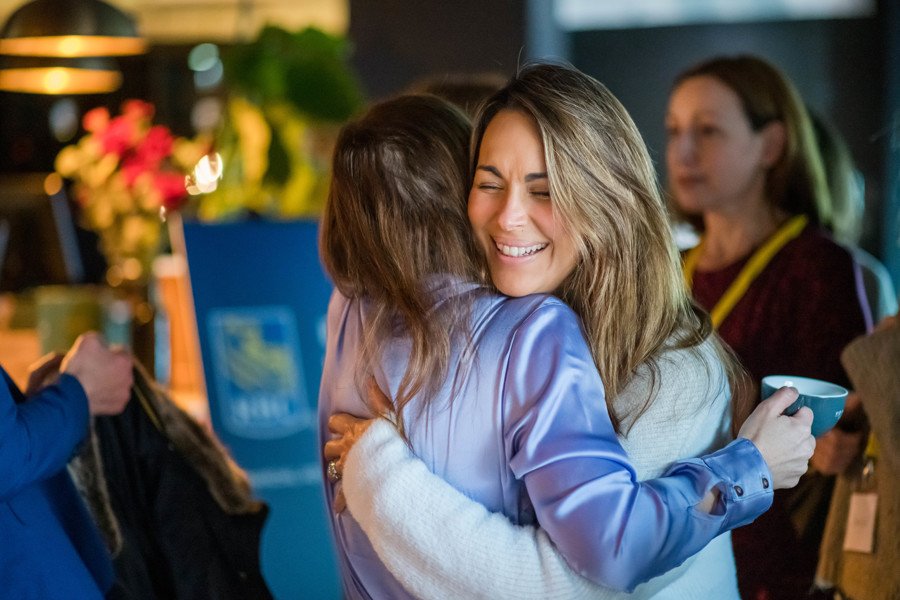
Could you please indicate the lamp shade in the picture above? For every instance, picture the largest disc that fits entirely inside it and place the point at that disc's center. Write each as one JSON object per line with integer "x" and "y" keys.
{"x": 70, "y": 28}
{"x": 59, "y": 76}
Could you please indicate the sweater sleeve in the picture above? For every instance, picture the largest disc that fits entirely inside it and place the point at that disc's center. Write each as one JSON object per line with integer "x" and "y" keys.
{"x": 38, "y": 435}
{"x": 441, "y": 544}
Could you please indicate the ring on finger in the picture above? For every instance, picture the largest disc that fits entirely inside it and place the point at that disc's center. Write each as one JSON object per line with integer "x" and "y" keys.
{"x": 332, "y": 471}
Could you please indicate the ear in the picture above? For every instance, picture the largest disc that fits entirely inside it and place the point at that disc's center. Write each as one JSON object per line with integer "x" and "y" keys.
{"x": 774, "y": 137}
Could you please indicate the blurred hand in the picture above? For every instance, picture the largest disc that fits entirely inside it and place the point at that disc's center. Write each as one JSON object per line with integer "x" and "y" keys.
{"x": 887, "y": 323}
{"x": 105, "y": 374}
{"x": 785, "y": 442}
{"x": 836, "y": 450}
{"x": 43, "y": 373}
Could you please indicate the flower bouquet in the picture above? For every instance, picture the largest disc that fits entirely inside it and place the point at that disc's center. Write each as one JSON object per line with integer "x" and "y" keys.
{"x": 127, "y": 174}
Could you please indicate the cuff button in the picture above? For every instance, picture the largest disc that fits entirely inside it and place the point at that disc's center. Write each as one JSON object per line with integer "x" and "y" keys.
{"x": 765, "y": 483}
{"x": 738, "y": 490}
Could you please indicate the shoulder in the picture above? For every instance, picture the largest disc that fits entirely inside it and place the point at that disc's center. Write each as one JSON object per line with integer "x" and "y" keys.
{"x": 540, "y": 311}
{"x": 815, "y": 248}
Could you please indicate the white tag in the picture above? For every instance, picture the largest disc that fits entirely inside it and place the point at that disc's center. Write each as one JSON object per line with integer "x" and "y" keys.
{"x": 860, "y": 535}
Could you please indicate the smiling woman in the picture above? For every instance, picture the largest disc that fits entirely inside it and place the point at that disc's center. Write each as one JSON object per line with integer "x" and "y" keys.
{"x": 511, "y": 211}
{"x": 503, "y": 399}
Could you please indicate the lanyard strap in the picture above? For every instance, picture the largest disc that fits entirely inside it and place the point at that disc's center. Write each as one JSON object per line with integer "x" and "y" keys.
{"x": 763, "y": 255}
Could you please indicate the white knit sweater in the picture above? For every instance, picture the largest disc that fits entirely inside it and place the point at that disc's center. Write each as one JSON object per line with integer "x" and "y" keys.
{"x": 440, "y": 544}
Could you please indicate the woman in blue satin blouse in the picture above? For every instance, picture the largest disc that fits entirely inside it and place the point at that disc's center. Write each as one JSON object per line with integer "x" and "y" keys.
{"x": 500, "y": 395}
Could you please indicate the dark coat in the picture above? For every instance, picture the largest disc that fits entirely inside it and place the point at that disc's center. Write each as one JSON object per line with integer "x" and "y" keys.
{"x": 176, "y": 511}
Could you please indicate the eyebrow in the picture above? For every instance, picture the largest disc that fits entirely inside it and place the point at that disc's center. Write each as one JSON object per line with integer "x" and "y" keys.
{"x": 494, "y": 171}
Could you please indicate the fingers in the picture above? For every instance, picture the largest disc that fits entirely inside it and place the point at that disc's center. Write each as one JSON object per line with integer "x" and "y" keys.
{"x": 334, "y": 449}
{"x": 379, "y": 403}
{"x": 340, "y": 503}
{"x": 780, "y": 400}
{"x": 46, "y": 362}
{"x": 341, "y": 423}
{"x": 804, "y": 416}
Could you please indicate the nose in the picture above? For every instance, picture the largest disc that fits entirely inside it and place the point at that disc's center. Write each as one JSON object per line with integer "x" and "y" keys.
{"x": 513, "y": 213}
{"x": 682, "y": 147}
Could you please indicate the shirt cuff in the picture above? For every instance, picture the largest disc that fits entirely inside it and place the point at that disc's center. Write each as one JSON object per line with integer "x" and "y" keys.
{"x": 744, "y": 481}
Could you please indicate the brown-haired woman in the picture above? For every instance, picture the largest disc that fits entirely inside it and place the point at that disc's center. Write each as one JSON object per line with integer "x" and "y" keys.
{"x": 744, "y": 167}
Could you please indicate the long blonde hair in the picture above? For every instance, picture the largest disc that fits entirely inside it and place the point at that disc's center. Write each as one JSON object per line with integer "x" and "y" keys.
{"x": 394, "y": 218}
{"x": 627, "y": 288}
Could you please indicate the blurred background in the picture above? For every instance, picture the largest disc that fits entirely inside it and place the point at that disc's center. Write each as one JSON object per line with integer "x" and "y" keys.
{"x": 842, "y": 55}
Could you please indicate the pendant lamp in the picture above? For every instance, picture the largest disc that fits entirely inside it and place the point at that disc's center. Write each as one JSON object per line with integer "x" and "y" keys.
{"x": 59, "y": 76}
{"x": 60, "y": 47}
{"x": 70, "y": 28}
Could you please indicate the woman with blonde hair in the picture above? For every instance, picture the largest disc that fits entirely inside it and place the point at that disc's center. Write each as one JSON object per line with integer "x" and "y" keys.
{"x": 510, "y": 408}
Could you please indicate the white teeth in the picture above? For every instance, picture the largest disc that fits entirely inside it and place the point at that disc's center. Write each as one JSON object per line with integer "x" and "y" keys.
{"x": 516, "y": 251}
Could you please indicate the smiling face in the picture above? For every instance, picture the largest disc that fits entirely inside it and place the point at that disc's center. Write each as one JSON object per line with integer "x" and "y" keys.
{"x": 715, "y": 160}
{"x": 511, "y": 211}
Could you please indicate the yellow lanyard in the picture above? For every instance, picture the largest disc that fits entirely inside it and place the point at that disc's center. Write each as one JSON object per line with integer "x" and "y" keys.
{"x": 872, "y": 449}
{"x": 763, "y": 255}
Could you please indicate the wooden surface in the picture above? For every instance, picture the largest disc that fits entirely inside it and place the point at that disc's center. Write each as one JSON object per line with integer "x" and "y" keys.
{"x": 19, "y": 348}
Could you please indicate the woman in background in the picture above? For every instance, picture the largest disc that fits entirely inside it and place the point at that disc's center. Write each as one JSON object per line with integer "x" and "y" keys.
{"x": 598, "y": 236}
{"x": 744, "y": 169}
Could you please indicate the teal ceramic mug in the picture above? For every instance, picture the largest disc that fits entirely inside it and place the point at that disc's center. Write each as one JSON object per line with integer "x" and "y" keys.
{"x": 826, "y": 400}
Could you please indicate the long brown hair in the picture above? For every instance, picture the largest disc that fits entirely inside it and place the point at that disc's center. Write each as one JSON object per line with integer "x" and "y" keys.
{"x": 796, "y": 183}
{"x": 627, "y": 288}
{"x": 394, "y": 218}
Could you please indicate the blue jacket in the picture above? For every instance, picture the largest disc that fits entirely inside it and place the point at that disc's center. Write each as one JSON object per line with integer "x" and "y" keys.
{"x": 49, "y": 546}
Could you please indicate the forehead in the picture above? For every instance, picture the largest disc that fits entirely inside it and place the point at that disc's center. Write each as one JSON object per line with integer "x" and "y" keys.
{"x": 705, "y": 94}
{"x": 512, "y": 134}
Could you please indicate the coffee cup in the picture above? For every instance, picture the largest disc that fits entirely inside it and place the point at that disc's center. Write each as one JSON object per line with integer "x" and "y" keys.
{"x": 825, "y": 400}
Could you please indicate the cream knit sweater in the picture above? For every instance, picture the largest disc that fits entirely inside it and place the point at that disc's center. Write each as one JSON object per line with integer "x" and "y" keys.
{"x": 440, "y": 544}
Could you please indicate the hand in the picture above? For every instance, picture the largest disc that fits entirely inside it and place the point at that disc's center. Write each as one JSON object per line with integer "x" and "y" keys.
{"x": 104, "y": 374}
{"x": 43, "y": 373}
{"x": 888, "y": 322}
{"x": 348, "y": 430}
{"x": 836, "y": 450}
{"x": 785, "y": 442}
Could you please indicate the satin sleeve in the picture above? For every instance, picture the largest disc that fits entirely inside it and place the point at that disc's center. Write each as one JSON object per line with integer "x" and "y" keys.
{"x": 38, "y": 435}
{"x": 612, "y": 529}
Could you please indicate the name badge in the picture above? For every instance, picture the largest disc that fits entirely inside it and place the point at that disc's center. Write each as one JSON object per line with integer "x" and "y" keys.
{"x": 860, "y": 535}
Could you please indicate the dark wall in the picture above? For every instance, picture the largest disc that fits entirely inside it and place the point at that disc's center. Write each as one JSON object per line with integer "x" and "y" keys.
{"x": 891, "y": 221}
{"x": 397, "y": 42}
{"x": 161, "y": 77}
{"x": 837, "y": 65}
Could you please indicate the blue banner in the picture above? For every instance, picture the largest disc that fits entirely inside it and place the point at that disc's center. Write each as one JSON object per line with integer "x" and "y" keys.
{"x": 261, "y": 298}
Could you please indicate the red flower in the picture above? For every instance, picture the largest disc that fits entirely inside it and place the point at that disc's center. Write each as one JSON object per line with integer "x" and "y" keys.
{"x": 156, "y": 146}
{"x": 118, "y": 136}
{"x": 96, "y": 119}
{"x": 137, "y": 110}
{"x": 171, "y": 187}
{"x": 132, "y": 168}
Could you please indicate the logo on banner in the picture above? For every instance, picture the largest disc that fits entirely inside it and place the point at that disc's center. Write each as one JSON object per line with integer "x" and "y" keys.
{"x": 258, "y": 372}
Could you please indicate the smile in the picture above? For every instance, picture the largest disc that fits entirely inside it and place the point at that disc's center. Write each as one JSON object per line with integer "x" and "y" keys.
{"x": 518, "y": 251}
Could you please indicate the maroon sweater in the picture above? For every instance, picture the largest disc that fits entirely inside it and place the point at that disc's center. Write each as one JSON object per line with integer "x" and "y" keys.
{"x": 795, "y": 319}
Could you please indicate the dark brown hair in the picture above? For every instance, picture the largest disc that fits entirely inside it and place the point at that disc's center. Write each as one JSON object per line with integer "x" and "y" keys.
{"x": 396, "y": 217}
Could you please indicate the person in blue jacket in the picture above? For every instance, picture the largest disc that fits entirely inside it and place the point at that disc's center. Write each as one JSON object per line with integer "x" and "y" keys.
{"x": 49, "y": 546}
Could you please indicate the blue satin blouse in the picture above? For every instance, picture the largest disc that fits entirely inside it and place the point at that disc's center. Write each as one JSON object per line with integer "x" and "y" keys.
{"x": 521, "y": 426}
